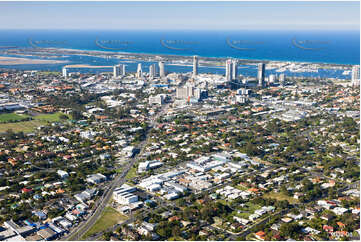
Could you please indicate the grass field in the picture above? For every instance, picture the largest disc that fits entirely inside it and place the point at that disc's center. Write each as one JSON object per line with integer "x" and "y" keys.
{"x": 53, "y": 117}
{"x": 109, "y": 218}
{"x": 132, "y": 173}
{"x": 247, "y": 210}
{"x": 6, "y": 117}
{"x": 241, "y": 187}
{"x": 279, "y": 196}
{"x": 27, "y": 126}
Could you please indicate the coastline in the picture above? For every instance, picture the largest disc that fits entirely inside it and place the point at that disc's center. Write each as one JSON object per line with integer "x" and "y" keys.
{"x": 223, "y": 58}
{"x": 164, "y": 57}
{"x": 5, "y": 60}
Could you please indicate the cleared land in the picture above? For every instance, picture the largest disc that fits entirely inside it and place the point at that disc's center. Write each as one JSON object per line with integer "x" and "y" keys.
{"x": 109, "y": 218}
{"x": 279, "y": 196}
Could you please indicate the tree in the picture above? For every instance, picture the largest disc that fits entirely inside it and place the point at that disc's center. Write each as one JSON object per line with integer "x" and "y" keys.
{"x": 284, "y": 190}
{"x": 76, "y": 115}
{"x": 107, "y": 235}
{"x": 63, "y": 117}
{"x": 290, "y": 230}
{"x": 176, "y": 231}
{"x": 181, "y": 202}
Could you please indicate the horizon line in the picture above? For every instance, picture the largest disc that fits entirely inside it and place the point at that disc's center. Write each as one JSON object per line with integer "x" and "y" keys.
{"x": 248, "y": 29}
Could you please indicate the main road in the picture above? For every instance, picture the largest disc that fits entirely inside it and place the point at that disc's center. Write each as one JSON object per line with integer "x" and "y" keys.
{"x": 79, "y": 232}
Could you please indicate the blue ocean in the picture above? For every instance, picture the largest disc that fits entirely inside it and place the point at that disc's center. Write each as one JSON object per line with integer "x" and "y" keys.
{"x": 333, "y": 47}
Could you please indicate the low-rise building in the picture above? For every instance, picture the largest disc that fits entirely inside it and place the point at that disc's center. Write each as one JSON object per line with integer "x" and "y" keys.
{"x": 47, "y": 234}
{"x": 124, "y": 195}
{"x": 63, "y": 174}
{"x": 96, "y": 178}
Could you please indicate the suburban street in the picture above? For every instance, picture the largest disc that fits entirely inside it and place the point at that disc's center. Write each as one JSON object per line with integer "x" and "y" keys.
{"x": 120, "y": 179}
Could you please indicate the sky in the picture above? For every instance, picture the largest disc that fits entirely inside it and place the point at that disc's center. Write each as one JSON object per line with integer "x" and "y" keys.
{"x": 181, "y": 15}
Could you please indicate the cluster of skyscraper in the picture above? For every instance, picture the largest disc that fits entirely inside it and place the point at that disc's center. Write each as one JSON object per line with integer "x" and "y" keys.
{"x": 118, "y": 70}
{"x": 153, "y": 69}
{"x": 231, "y": 70}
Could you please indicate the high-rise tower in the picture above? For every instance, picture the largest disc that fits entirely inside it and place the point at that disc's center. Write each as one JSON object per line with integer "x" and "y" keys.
{"x": 281, "y": 80}
{"x": 228, "y": 70}
{"x": 195, "y": 66}
{"x": 116, "y": 70}
{"x": 161, "y": 69}
{"x": 260, "y": 76}
{"x": 139, "y": 71}
{"x": 65, "y": 72}
{"x": 355, "y": 76}
{"x": 234, "y": 69}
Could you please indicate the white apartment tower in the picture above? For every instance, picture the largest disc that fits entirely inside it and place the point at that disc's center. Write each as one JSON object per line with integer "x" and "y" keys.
{"x": 234, "y": 69}
{"x": 65, "y": 72}
{"x": 152, "y": 71}
{"x": 229, "y": 70}
{"x": 116, "y": 70}
{"x": 123, "y": 72}
{"x": 139, "y": 71}
{"x": 282, "y": 80}
{"x": 161, "y": 69}
{"x": 195, "y": 66}
{"x": 355, "y": 78}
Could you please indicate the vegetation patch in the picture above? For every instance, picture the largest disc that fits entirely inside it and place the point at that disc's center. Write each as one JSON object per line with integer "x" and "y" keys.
{"x": 132, "y": 173}
{"x": 12, "y": 117}
{"x": 53, "y": 117}
{"x": 109, "y": 218}
{"x": 12, "y": 121}
{"x": 280, "y": 196}
{"x": 25, "y": 126}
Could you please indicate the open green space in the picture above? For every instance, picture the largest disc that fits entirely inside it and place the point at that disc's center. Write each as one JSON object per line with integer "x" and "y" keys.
{"x": 246, "y": 210}
{"x": 109, "y": 217}
{"x": 250, "y": 206}
{"x": 132, "y": 173}
{"x": 27, "y": 126}
{"x": 241, "y": 187}
{"x": 280, "y": 196}
{"x": 53, "y": 117}
{"x": 9, "y": 117}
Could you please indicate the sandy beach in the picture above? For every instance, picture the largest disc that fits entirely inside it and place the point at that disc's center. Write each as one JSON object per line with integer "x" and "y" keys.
{"x": 5, "y": 60}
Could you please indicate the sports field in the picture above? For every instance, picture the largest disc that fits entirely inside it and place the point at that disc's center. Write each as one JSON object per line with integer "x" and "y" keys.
{"x": 26, "y": 126}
